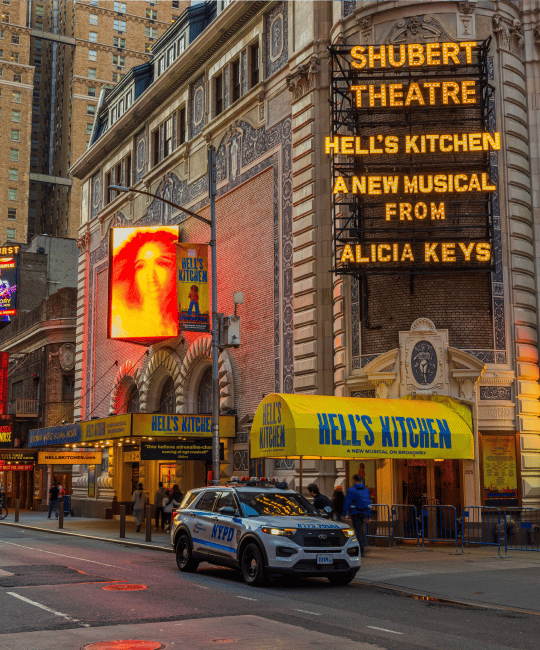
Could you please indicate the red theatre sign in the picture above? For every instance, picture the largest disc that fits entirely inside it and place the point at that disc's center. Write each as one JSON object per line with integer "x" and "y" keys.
{"x": 4, "y": 361}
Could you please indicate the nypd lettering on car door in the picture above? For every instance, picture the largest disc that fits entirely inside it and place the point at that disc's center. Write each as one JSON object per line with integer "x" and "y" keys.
{"x": 226, "y": 533}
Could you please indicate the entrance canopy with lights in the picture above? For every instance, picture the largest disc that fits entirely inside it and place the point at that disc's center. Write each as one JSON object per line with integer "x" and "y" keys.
{"x": 321, "y": 427}
{"x": 131, "y": 428}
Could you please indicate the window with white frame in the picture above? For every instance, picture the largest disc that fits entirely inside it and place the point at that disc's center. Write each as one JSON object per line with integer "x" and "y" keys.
{"x": 15, "y": 116}
{"x": 92, "y": 55}
{"x": 14, "y": 154}
{"x": 12, "y": 213}
{"x": 92, "y": 73}
{"x": 119, "y": 42}
{"x": 91, "y": 92}
{"x": 89, "y": 126}
{"x": 93, "y": 19}
{"x": 92, "y": 37}
{"x": 151, "y": 32}
{"x": 13, "y": 194}
{"x": 16, "y": 96}
{"x": 151, "y": 14}
{"x": 90, "y": 109}
{"x": 15, "y": 39}
{"x": 15, "y": 135}
{"x": 10, "y": 234}
{"x": 120, "y": 25}
{"x": 120, "y": 7}
{"x": 13, "y": 174}
{"x": 119, "y": 60}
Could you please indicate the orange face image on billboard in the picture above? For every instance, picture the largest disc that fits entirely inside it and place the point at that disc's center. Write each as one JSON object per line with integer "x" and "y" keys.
{"x": 142, "y": 284}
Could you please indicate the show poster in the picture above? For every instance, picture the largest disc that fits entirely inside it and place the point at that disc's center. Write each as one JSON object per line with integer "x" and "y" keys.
{"x": 500, "y": 476}
{"x": 6, "y": 427}
{"x": 192, "y": 286}
{"x": 8, "y": 287}
{"x": 142, "y": 284}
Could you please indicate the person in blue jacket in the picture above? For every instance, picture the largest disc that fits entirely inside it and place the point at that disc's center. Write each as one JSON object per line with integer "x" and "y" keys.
{"x": 357, "y": 506}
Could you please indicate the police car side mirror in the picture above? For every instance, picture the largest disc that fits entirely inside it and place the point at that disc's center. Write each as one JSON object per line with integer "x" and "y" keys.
{"x": 227, "y": 510}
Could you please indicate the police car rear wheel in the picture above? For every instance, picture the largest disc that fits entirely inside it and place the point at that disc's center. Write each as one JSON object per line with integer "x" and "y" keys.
{"x": 342, "y": 579}
{"x": 253, "y": 566}
{"x": 184, "y": 555}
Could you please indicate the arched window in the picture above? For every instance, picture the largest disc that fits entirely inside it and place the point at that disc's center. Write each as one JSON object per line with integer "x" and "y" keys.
{"x": 204, "y": 395}
{"x": 167, "y": 400}
{"x": 133, "y": 405}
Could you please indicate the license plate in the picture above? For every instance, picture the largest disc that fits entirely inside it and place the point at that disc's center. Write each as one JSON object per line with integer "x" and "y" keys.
{"x": 324, "y": 559}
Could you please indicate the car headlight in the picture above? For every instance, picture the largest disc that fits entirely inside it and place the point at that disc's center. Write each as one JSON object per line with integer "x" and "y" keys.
{"x": 285, "y": 532}
{"x": 349, "y": 532}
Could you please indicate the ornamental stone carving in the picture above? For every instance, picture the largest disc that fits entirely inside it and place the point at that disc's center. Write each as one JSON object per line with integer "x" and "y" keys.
{"x": 303, "y": 79}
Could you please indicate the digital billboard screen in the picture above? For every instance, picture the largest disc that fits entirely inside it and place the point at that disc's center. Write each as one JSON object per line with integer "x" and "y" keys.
{"x": 8, "y": 287}
{"x": 142, "y": 284}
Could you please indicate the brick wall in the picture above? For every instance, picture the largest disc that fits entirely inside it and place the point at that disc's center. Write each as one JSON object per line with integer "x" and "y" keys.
{"x": 245, "y": 263}
{"x": 458, "y": 303}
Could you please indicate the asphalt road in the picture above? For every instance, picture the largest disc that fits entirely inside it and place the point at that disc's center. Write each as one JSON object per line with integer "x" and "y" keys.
{"x": 57, "y": 584}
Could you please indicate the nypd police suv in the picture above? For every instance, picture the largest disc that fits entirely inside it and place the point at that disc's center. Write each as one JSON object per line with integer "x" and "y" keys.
{"x": 263, "y": 529}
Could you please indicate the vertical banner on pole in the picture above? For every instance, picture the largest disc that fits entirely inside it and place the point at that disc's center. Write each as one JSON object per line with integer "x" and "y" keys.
{"x": 192, "y": 287}
{"x": 4, "y": 362}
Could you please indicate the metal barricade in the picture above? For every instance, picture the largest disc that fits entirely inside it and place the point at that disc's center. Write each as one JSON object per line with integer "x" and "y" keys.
{"x": 481, "y": 525}
{"x": 521, "y": 529}
{"x": 439, "y": 524}
{"x": 405, "y": 523}
{"x": 380, "y": 525}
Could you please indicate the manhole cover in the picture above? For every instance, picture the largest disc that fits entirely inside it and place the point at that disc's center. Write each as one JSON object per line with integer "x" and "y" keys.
{"x": 124, "y": 644}
{"x": 124, "y": 588}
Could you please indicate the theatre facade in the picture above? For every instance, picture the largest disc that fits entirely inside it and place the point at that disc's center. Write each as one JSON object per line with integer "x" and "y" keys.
{"x": 374, "y": 205}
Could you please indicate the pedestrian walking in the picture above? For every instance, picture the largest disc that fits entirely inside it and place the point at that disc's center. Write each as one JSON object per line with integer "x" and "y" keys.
{"x": 320, "y": 501}
{"x": 177, "y": 493}
{"x": 139, "y": 501}
{"x": 169, "y": 503}
{"x": 158, "y": 504}
{"x": 337, "y": 501}
{"x": 54, "y": 500}
{"x": 357, "y": 505}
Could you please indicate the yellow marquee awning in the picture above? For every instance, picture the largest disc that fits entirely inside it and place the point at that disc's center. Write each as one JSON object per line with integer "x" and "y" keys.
{"x": 317, "y": 426}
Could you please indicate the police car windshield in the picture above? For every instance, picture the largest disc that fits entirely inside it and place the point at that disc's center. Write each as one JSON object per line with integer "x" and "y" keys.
{"x": 275, "y": 504}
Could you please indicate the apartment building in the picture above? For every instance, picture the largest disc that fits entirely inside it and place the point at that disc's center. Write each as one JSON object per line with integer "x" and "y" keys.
{"x": 56, "y": 57}
{"x": 16, "y": 88}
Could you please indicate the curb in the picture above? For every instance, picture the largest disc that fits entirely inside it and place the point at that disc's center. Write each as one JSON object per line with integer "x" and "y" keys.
{"x": 443, "y": 600}
{"x": 123, "y": 542}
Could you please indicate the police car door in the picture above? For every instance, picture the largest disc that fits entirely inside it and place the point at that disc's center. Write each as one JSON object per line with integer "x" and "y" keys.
{"x": 203, "y": 522}
{"x": 228, "y": 526}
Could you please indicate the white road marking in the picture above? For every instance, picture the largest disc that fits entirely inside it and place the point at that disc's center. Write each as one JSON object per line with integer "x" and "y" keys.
{"x": 307, "y": 612}
{"x": 383, "y": 629}
{"x": 5, "y": 573}
{"x": 47, "y": 609}
{"x": 71, "y": 557}
{"x": 246, "y": 598}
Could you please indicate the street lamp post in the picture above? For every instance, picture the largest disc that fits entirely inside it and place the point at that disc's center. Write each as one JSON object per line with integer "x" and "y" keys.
{"x": 215, "y": 319}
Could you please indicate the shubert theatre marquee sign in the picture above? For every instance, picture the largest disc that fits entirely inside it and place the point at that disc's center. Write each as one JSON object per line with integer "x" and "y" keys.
{"x": 411, "y": 153}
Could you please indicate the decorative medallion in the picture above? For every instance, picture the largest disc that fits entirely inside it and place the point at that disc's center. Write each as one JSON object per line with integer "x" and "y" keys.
{"x": 424, "y": 363}
{"x": 66, "y": 357}
{"x": 198, "y": 101}
{"x": 276, "y": 38}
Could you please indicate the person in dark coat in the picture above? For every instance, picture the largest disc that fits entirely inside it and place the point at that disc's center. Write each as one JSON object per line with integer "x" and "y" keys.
{"x": 320, "y": 501}
{"x": 357, "y": 505}
{"x": 337, "y": 501}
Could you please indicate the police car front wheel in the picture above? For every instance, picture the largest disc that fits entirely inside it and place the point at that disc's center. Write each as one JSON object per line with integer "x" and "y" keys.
{"x": 184, "y": 555}
{"x": 252, "y": 565}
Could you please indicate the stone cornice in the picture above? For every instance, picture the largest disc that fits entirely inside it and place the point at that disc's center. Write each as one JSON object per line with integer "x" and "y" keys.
{"x": 42, "y": 333}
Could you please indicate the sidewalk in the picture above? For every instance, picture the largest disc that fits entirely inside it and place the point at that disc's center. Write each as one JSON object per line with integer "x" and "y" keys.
{"x": 476, "y": 577}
